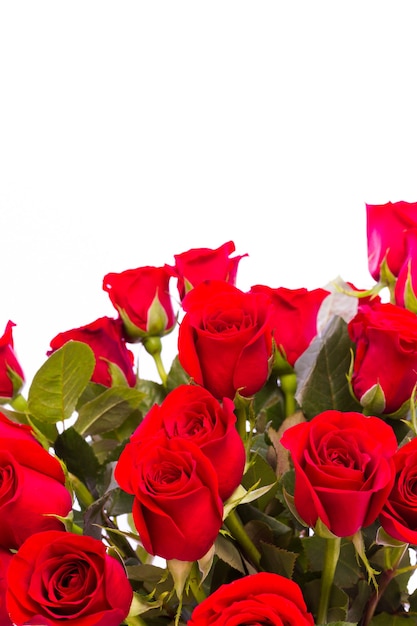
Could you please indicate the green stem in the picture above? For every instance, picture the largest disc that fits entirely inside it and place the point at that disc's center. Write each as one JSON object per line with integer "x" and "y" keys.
{"x": 161, "y": 369}
{"x": 289, "y": 387}
{"x": 83, "y": 495}
{"x": 331, "y": 557}
{"x": 194, "y": 582}
{"x": 153, "y": 345}
{"x": 19, "y": 403}
{"x": 235, "y": 527}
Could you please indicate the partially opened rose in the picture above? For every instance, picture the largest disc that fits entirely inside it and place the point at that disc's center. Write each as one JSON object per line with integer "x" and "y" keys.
{"x": 386, "y": 226}
{"x": 399, "y": 515}
{"x": 344, "y": 469}
{"x": 105, "y": 338}
{"x": 11, "y": 373}
{"x": 225, "y": 339}
{"x": 406, "y": 285}
{"x": 385, "y": 359}
{"x": 199, "y": 264}
{"x": 142, "y": 298}
{"x": 263, "y": 599}
{"x": 294, "y": 318}
{"x": 193, "y": 413}
{"x": 32, "y": 486}
{"x": 67, "y": 578}
{"x": 177, "y": 509}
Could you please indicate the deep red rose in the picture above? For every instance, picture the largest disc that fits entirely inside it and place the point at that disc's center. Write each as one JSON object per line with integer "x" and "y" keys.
{"x": 142, "y": 298}
{"x": 385, "y": 361}
{"x": 386, "y": 227}
{"x": 105, "y": 338}
{"x": 258, "y": 599}
{"x": 225, "y": 339}
{"x": 5, "y": 558}
{"x": 199, "y": 264}
{"x": 177, "y": 509}
{"x": 68, "y": 578}
{"x": 191, "y": 412}
{"x": 406, "y": 284}
{"x": 294, "y": 318}
{"x": 10, "y": 384}
{"x": 344, "y": 469}
{"x": 399, "y": 514}
{"x": 32, "y": 485}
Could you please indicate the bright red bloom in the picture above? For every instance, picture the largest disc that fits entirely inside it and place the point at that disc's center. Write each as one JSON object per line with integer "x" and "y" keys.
{"x": 70, "y": 578}
{"x": 5, "y": 558}
{"x": 105, "y": 338}
{"x": 199, "y": 264}
{"x": 225, "y": 339}
{"x": 142, "y": 298}
{"x": 344, "y": 469}
{"x": 8, "y": 361}
{"x": 406, "y": 284}
{"x": 262, "y": 598}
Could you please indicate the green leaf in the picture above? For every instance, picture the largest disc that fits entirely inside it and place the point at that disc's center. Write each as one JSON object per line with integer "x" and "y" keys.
{"x": 277, "y": 560}
{"x": 338, "y": 604}
{"x": 322, "y": 372}
{"x": 108, "y": 411}
{"x": 77, "y": 455}
{"x": 60, "y": 381}
{"x": 385, "y": 619}
{"x": 177, "y": 375}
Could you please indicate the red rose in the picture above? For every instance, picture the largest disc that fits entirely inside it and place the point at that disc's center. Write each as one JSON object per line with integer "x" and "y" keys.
{"x": 142, "y": 298}
{"x": 261, "y": 598}
{"x": 294, "y": 318}
{"x": 385, "y": 361}
{"x": 11, "y": 374}
{"x": 5, "y": 558}
{"x": 69, "y": 578}
{"x": 406, "y": 284}
{"x": 225, "y": 339}
{"x": 191, "y": 412}
{"x": 399, "y": 515}
{"x": 386, "y": 226}
{"x": 32, "y": 485}
{"x": 177, "y": 509}
{"x": 105, "y": 338}
{"x": 199, "y": 264}
{"x": 344, "y": 469}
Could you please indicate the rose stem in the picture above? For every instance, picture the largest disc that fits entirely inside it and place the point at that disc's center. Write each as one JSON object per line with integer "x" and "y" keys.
{"x": 235, "y": 526}
{"x": 153, "y": 346}
{"x": 195, "y": 585}
{"x": 289, "y": 387}
{"x": 383, "y": 582}
{"x": 331, "y": 556}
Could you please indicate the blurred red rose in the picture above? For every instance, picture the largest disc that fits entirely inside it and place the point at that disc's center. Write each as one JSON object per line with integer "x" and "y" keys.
{"x": 262, "y": 598}
{"x": 399, "y": 515}
{"x": 386, "y": 226}
{"x": 177, "y": 509}
{"x": 32, "y": 485}
{"x": 191, "y": 412}
{"x": 294, "y": 318}
{"x": 344, "y": 469}
{"x": 11, "y": 373}
{"x": 142, "y": 298}
{"x": 105, "y": 338}
{"x": 385, "y": 360}
{"x": 66, "y": 577}
{"x": 5, "y": 557}
{"x": 225, "y": 339}
{"x": 199, "y": 264}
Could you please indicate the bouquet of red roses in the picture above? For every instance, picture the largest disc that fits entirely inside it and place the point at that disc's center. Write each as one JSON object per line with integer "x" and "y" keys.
{"x": 268, "y": 478}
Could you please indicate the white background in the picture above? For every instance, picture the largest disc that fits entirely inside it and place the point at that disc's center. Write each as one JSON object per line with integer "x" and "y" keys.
{"x": 132, "y": 131}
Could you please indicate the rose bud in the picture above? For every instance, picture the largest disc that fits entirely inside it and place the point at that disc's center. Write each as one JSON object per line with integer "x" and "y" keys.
{"x": 386, "y": 226}
{"x": 11, "y": 373}
{"x": 385, "y": 359}
{"x": 199, "y": 264}
{"x": 406, "y": 285}
{"x": 344, "y": 469}
{"x": 142, "y": 298}
{"x": 105, "y": 338}
{"x": 294, "y": 318}
{"x": 225, "y": 339}
{"x": 262, "y": 598}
